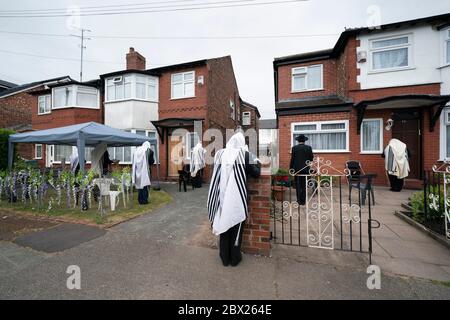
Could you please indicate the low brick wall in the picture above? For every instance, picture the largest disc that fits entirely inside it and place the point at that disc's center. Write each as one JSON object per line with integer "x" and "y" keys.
{"x": 256, "y": 237}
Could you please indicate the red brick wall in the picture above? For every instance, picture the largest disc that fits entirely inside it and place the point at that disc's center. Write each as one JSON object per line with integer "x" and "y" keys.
{"x": 329, "y": 80}
{"x": 256, "y": 237}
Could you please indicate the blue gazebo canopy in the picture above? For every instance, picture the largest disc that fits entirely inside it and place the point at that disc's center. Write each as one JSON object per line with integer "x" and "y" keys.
{"x": 88, "y": 134}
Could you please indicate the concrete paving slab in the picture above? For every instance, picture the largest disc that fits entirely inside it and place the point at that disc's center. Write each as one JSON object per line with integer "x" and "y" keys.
{"x": 59, "y": 238}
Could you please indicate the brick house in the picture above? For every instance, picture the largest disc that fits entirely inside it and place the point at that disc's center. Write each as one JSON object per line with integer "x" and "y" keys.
{"x": 17, "y": 107}
{"x": 374, "y": 85}
{"x": 152, "y": 102}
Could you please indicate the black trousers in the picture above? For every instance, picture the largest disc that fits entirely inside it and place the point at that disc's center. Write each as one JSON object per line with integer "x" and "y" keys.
{"x": 143, "y": 195}
{"x": 396, "y": 183}
{"x": 229, "y": 253}
{"x": 300, "y": 186}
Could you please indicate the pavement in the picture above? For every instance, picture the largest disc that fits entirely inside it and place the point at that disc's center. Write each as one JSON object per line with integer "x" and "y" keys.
{"x": 171, "y": 254}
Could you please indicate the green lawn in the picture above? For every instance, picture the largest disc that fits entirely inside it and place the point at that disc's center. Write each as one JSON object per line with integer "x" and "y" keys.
{"x": 91, "y": 216}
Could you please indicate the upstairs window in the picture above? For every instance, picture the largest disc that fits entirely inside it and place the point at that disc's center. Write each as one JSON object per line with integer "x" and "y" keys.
{"x": 307, "y": 78}
{"x": 232, "y": 110}
{"x": 391, "y": 53}
{"x": 183, "y": 85}
{"x": 132, "y": 86}
{"x": 75, "y": 96}
{"x": 447, "y": 47}
{"x": 246, "y": 121}
{"x": 44, "y": 104}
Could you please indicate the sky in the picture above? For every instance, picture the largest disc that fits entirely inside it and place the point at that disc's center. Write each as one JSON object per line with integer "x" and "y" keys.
{"x": 258, "y": 35}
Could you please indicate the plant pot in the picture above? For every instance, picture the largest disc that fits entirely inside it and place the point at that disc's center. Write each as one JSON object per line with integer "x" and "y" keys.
{"x": 278, "y": 192}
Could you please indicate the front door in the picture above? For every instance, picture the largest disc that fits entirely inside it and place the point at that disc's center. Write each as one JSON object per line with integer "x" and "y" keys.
{"x": 175, "y": 155}
{"x": 407, "y": 129}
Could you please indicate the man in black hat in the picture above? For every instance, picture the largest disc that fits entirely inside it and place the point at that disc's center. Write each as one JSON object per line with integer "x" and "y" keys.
{"x": 300, "y": 156}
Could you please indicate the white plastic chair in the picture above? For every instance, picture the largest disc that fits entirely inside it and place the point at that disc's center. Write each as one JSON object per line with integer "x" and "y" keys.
{"x": 104, "y": 185}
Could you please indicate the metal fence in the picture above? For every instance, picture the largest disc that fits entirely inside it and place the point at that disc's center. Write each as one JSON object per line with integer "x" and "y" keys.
{"x": 336, "y": 213}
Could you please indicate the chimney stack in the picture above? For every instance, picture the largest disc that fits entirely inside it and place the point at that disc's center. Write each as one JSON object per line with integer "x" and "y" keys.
{"x": 135, "y": 60}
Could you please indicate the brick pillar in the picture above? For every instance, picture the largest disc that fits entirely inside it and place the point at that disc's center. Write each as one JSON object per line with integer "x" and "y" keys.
{"x": 256, "y": 237}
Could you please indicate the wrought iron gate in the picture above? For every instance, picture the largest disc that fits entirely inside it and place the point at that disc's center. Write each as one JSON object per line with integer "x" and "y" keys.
{"x": 331, "y": 217}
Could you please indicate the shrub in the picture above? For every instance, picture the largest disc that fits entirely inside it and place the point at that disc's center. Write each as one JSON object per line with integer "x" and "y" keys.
{"x": 432, "y": 214}
{"x": 4, "y": 135}
{"x": 283, "y": 178}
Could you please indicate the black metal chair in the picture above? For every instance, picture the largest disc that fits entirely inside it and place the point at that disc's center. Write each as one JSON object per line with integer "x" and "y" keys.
{"x": 357, "y": 179}
{"x": 184, "y": 178}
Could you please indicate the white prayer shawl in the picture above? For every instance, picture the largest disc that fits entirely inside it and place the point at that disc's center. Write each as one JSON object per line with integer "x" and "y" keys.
{"x": 74, "y": 160}
{"x": 396, "y": 159}
{"x": 97, "y": 158}
{"x": 197, "y": 159}
{"x": 227, "y": 197}
{"x": 140, "y": 174}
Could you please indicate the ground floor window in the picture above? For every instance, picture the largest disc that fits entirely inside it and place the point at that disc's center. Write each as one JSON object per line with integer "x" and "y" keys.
{"x": 372, "y": 136}
{"x": 324, "y": 136}
{"x": 124, "y": 154}
{"x": 64, "y": 152}
{"x": 192, "y": 139}
{"x": 38, "y": 151}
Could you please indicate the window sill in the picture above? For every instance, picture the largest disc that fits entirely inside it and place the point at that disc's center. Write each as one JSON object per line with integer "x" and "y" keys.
{"x": 76, "y": 107}
{"x": 192, "y": 97}
{"x": 444, "y": 66}
{"x": 130, "y": 99}
{"x": 391, "y": 70}
{"x": 306, "y": 91}
{"x": 44, "y": 114}
{"x": 38, "y": 158}
{"x": 374, "y": 153}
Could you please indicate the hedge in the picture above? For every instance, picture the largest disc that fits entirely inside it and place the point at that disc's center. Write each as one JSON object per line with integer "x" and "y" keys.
{"x": 4, "y": 134}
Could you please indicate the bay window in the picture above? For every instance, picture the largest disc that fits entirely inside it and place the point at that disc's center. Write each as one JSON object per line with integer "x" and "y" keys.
{"x": 45, "y": 104}
{"x": 131, "y": 86}
{"x": 447, "y": 47}
{"x": 125, "y": 154}
{"x": 391, "y": 53}
{"x": 183, "y": 85}
{"x": 372, "y": 136}
{"x": 324, "y": 136}
{"x": 307, "y": 78}
{"x": 75, "y": 96}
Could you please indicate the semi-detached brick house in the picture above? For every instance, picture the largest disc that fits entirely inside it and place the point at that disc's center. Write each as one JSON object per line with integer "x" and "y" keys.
{"x": 153, "y": 102}
{"x": 374, "y": 85}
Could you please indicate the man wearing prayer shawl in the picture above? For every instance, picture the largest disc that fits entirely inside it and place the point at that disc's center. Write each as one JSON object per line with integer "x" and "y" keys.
{"x": 227, "y": 197}
{"x": 74, "y": 161}
{"x": 143, "y": 158}
{"x": 396, "y": 157}
{"x": 197, "y": 164}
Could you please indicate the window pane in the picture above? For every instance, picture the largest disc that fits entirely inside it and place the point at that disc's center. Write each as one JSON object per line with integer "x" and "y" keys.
{"x": 41, "y": 105}
{"x": 328, "y": 141}
{"x": 151, "y": 92}
{"x": 127, "y": 154}
{"x": 87, "y": 98}
{"x": 448, "y": 141}
{"x": 119, "y": 154}
{"x": 189, "y": 76}
{"x": 177, "y": 77}
{"x": 305, "y": 127}
{"x": 371, "y": 133}
{"x": 152, "y": 135}
{"x": 189, "y": 89}
{"x": 62, "y": 152}
{"x": 299, "y": 71}
{"x": 177, "y": 90}
{"x": 48, "y": 103}
{"x": 88, "y": 153}
{"x": 111, "y": 153}
{"x": 140, "y": 90}
{"x": 119, "y": 91}
{"x": 390, "y": 59}
{"x": 333, "y": 126}
{"x": 389, "y": 42}
{"x": 448, "y": 51}
{"x": 110, "y": 93}
{"x": 299, "y": 82}
{"x": 63, "y": 97}
{"x": 314, "y": 77}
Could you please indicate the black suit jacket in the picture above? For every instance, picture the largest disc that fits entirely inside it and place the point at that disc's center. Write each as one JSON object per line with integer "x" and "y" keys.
{"x": 301, "y": 154}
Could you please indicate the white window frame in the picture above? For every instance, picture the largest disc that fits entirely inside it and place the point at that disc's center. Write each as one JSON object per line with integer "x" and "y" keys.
{"x": 49, "y": 96}
{"x": 187, "y": 143}
{"x": 74, "y": 97}
{"x": 246, "y": 115}
{"x": 446, "y": 48}
{"x": 233, "y": 110}
{"x": 150, "y": 82}
{"x": 380, "y": 151}
{"x": 319, "y": 130}
{"x": 299, "y": 71}
{"x": 408, "y": 46}
{"x": 445, "y": 121}
{"x": 35, "y": 151}
{"x": 172, "y": 76}
{"x": 133, "y": 149}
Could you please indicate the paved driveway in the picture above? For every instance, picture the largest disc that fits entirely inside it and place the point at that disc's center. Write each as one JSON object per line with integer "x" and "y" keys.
{"x": 170, "y": 254}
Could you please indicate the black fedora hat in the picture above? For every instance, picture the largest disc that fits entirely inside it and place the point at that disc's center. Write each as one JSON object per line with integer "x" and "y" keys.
{"x": 302, "y": 138}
